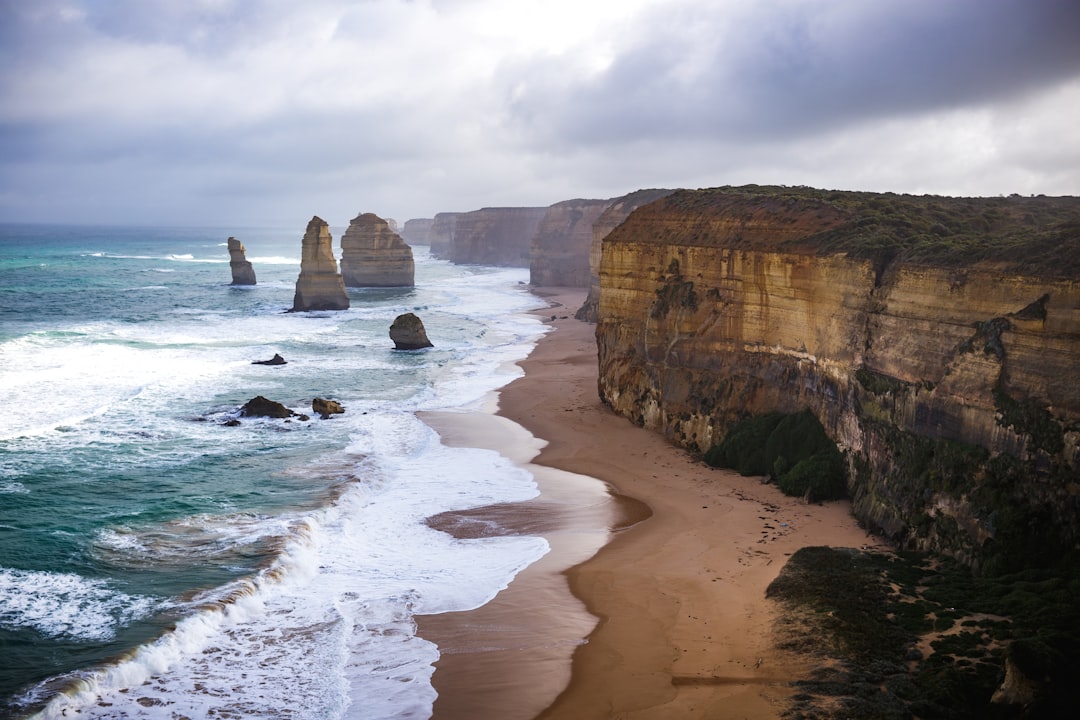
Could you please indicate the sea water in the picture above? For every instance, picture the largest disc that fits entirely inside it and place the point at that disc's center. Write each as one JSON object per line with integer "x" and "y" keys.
{"x": 157, "y": 561}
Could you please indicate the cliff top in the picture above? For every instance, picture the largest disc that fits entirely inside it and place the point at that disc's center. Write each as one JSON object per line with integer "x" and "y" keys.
{"x": 1032, "y": 235}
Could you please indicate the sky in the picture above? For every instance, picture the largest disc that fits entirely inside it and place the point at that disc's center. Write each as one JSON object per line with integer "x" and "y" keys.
{"x": 266, "y": 112}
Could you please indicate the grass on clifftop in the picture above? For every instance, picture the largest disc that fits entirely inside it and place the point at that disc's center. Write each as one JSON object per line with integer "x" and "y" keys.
{"x": 1032, "y": 235}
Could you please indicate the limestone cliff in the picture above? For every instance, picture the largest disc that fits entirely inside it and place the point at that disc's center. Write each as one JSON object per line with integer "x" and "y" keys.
{"x": 441, "y": 237}
{"x": 613, "y": 216}
{"x": 319, "y": 286}
{"x": 242, "y": 271}
{"x": 417, "y": 231}
{"x": 559, "y": 252}
{"x": 373, "y": 255}
{"x": 937, "y": 340}
{"x": 494, "y": 236}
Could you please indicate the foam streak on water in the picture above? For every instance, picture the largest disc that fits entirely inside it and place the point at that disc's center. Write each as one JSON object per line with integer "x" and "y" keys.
{"x": 157, "y": 563}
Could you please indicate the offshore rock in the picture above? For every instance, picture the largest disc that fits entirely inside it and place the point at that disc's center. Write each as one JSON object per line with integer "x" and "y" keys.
{"x": 408, "y": 333}
{"x": 260, "y": 406}
{"x": 495, "y": 236}
{"x": 319, "y": 286}
{"x": 616, "y": 212}
{"x": 441, "y": 237}
{"x": 936, "y": 339}
{"x": 325, "y": 408}
{"x": 242, "y": 271}
{"x": 559, "y": 252}
{"x": 417, "y": 231}
{"x": 373, "y": 255}
{"x": 276, "y": 360}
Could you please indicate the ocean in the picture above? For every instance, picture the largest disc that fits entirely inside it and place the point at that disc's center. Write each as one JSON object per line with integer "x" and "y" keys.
{"x": 156, "y": 562}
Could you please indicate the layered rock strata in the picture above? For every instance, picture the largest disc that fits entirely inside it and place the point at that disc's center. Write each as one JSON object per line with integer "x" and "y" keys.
{"x": 614, "y": 214}
{"x": 242, "y": 271}
{"x": 494, "y": 236}
{"x": 373, "y": 255}
{"x": 441, "y": 237}
{"x": 937, "y": 340}
{"x": 417, "y": 231}
{"x": 319, "y": 286}
{"x": 559, "y": 251}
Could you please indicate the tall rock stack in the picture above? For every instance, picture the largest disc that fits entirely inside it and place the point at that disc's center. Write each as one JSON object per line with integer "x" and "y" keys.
{"x": 319, "y": 286}
{"x": 373, "y": 255}
{"x": 242, "y": 272}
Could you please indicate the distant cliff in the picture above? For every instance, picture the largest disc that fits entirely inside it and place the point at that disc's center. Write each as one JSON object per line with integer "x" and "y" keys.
{"x": 494, "y": 236}
{"x": 441, "y": 236}
{"x": 936, "y": 339}
{"x": 373, "y": 255}
{"x": 559, "y": 252}
{"x": 417, "y": 231}
{"x": 613, "y": 216}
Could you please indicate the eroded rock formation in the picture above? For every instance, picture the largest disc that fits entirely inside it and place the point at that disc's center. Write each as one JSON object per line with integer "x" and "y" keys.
{"x": 441, "y": 238}
{"x": 937, "y": 340}
{"x": 319, "y": 286}
{"x": 494, "y": 236}
{"x": 373, "y": 255}
{"x": 616, "y": 212}
{"x": 559, "y": 252}
{"x": 242, "y": 271}
{"x": 325, "y": 408}
{"x": 417, "y": 231}
{"x": 260, "y": 406}
{"x": 408, "y": 333}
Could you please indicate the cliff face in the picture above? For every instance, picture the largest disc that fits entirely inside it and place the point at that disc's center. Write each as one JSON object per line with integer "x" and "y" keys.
{"x": 373, "y": 255}
{"x": 242, "y": 271}
{"x": 319, "y": 286}
{"x": 950, "y": 385}
{"x": 614, "y": 214}
{"x": 494, "y": 236}
{"x": 441, "y": 237}
{"x": 417, "y": 231}
{"x": 559, "y": 252}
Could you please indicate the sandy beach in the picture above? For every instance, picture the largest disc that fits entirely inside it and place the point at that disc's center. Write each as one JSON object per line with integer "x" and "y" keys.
{"x": 651, "y": 603}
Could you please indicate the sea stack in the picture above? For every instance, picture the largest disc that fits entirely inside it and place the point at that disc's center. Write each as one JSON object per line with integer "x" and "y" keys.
{"x": 242, "y": 272}
{"x": 408, "y": 333}
{"x": 373, "y": 255}
{"x": 319, "y": 286}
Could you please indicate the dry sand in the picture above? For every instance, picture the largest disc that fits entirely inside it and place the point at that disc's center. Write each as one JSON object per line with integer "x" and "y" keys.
{"x": 667, "y": 561}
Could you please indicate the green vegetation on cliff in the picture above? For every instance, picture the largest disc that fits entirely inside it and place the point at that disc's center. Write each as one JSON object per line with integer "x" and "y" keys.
{"x": 794, "y": 449}
{"x": 910, "y": 636}
{"x": 1030, "y": 235}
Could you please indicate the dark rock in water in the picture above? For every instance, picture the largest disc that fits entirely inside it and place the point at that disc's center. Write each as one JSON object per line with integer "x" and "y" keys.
{"x": 326, "y": 408}
{"x": 408, "y": 333}
{"x": 242, "y": 271}
{"x": 261, "y": 407}
{"x": 231, "y": 423}
{"x": 276, "y": 360}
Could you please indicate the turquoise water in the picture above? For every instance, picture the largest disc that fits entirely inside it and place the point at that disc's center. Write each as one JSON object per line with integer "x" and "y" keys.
{"x": 155, "y": 562}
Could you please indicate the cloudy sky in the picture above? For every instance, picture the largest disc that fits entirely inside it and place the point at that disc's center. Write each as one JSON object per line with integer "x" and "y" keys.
{"x": 265, "y": 112}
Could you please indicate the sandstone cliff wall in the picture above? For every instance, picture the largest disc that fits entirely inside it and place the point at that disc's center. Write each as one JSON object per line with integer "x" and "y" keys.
{"x": 417, "y": 231}
{"x": 951, "y": 386}
{"x": 494, "y": 236}
{"x": 441, "y": 237}
{"x": 373, "y": 255}
{"x": 559, "y": 252}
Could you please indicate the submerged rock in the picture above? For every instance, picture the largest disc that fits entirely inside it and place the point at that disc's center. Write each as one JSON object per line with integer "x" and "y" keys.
{"x": 242, "y": 271}
{"x": 276, "y": 360}
{"x": 408, "y": 333}
{"x": 319, "y": 286}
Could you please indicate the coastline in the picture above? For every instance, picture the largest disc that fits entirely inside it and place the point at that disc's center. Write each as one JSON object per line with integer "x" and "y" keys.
{"x": 673, "y": 606}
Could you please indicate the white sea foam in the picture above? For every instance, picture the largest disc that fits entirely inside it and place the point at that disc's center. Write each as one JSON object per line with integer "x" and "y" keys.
{"x": 67, "y": 605}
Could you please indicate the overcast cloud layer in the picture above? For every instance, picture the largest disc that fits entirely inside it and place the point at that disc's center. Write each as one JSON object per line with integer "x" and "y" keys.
{"x": 265, "y": 112}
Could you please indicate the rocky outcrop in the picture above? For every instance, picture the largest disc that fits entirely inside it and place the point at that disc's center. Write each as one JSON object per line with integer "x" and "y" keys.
{"x": 417, "y": 231}
{"x": 559, "y": 252}
{"x": 441, "y": 238}
{"x": 325, "y": 408}
{"x": 614, "y": 214}
{"x": 373, "y": 255}
{"x": 494, "y": 236}
{"x": 260, "y": 406}
{"x": 319, "y": 286}
{"x": 936, "y": 339}
{"x": 242, "y": 271}
{"x": 408, "y": 333}
{"x": 276, "y": 360}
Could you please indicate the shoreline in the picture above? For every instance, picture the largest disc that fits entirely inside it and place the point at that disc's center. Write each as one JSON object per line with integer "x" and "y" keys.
{"x": 663, "y": 572}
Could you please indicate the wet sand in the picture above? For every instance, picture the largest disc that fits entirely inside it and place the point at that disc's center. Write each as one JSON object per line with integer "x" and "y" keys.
{"x": 651, "y": 603}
